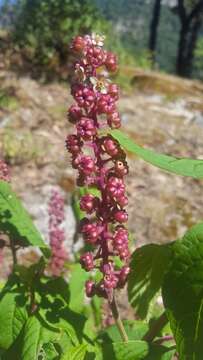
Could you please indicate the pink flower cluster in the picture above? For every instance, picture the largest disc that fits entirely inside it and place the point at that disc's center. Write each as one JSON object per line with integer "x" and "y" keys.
{"x": 101, "y": 163}
{"x": 56, "y": 234}
{"x": 4, "y": 172}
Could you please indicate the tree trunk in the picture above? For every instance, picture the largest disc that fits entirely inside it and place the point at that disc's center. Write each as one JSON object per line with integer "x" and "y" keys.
{"x": 190, "y": 26}
{"x": 182, "y": 49}
{"x": 196, "y": 25}
{"x": 154, "y": 28}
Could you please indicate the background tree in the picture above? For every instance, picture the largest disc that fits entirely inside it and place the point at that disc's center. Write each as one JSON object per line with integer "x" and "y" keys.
{"x": 199, "y": 58}
{"x": 154, "y": 28}
{"x": 191, "y": 17}
{"x": 43, "y": 28}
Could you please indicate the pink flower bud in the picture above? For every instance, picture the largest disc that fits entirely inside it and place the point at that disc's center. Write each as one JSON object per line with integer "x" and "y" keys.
{"x": 122, "y": 278}
{"x": 114, "y": 120}
{"x": 86, "y": 165}
{"x": 90, "y": 288}
{"x": 88, "y": 203}
{"x": 74, "y": 113}
{"x": 86, "y": 128}
{"x": 87, "y": 261}
{"x": 113, "y": 90}
{"x": 73, "y": 144}
{"x": 96, "y": 56}
{"x": 121, "y": 216}
{"x": 115, "y": 187}
{"x": 84, "y": 96}
{"x": 110, "y": 146}
{"x": 105, "y": 104}
{"x": 90, "y": 231}
{"x": 78, "y": 44}
{"x": 122, "y": 201}
{"x": 111, "y": 62}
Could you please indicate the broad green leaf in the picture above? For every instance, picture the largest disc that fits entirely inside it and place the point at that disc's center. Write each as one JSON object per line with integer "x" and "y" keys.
{"x": 31, "y": 339}
{"x": 76, "y": 285}
{"x": 93, "y": 313}
{"x": 15, "y": 220}
{"x": 135, "y": 331}
{"x": 62, "y": 333}
{"x": 35, "y": 334}
{"x": 53, "y": 298}
{"x": 148, "y": 266}
{"x": 179, "y": 166}
{"x": 49, "y": 351}
{"x": 183, "y": 294}
{"x": 131, "y": 350}
{"x": 160, "y": 352}
{"x": 12, "y": 318}
{"x": 75, "y": 203}
{"x": 54, "y": 289}
{"x": 96, "y": 309}
{"x": 75, "y": 353}
{"x": 64, "y": 343}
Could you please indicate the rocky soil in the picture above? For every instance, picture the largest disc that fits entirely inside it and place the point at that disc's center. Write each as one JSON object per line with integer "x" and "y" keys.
{"x": 160, "y": 112}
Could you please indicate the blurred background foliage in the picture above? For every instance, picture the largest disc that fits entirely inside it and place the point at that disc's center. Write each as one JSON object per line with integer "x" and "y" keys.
{"x": 163, "y": 34}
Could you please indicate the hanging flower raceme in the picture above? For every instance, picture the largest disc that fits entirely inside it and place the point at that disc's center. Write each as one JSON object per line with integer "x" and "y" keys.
{"x": 5, "y": 176}
{"x": 4, "y": 172}
{"x": 56, "y": 234}
{"x": 100, "y": 162}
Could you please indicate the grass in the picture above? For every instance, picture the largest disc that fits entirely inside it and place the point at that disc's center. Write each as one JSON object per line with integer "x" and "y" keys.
{"x": 8, "y": 101}
{"x": 19, "y": 147}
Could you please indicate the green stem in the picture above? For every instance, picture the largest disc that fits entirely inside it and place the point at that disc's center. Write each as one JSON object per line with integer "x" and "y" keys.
{"x": 13, "y": 251}
{"x": 156, "y": 327}
{"x": 119, "y": 324}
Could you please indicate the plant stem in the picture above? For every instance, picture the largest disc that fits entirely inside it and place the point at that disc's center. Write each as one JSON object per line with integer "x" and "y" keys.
{"x": 116, "y": 315}
{"x": 156, "y": 327}
{"x": 163, "y": 339}
{"x": 13, "y": 250}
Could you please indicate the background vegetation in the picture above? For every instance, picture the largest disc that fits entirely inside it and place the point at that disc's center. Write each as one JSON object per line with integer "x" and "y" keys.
{"x": 164, "y": 33}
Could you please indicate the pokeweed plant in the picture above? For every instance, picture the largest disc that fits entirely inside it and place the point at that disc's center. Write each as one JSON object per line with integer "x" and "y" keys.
{"x": 44, "y": 312}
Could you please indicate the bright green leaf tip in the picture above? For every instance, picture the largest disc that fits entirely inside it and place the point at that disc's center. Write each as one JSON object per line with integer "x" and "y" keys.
{"x": 179, "y": 166}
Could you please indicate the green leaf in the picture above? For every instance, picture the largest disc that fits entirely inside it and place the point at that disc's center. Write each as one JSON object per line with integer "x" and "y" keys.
{"x": 135, "y": 330}
{"x": 49, "y": 351}
{"x": 15, "y": 220}
{"x": 77, "y": 285}
{"x": 180, "y": 166}
{"x": 159, "y": 352}
{"x": 183, "y": 294}
{"x": 75, "y": 203}
{"x": 53, "y": 298}
{"x": 12, "y": 318}
{"x": 131, "y": 350}
{"x": 35, "y": 334}
{"x": 75, "y": 353}
{"x": 148, "y": 266}
{"x": 31, "y": 339}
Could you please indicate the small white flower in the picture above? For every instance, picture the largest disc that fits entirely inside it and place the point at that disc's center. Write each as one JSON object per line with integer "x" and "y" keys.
{"x": 99, "y": 85}
{"x": 98, "y": 40}
{"x": 80, "y": 72}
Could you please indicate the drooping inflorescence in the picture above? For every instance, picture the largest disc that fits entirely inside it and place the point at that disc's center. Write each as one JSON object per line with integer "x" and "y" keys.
{"x": 56, "y": 233}
{"x": 101, "y": 163}
{"x": 4, "y": 172}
